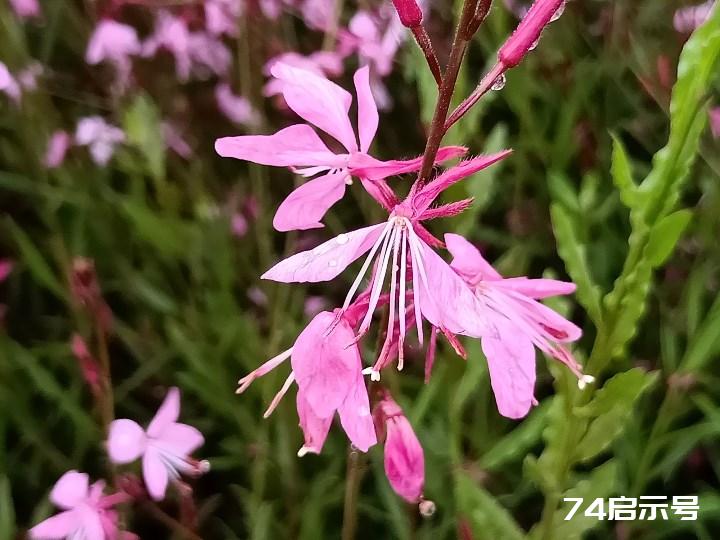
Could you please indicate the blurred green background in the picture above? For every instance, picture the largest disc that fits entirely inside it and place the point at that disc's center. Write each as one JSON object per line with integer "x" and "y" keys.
{"x": 190, "y": 310}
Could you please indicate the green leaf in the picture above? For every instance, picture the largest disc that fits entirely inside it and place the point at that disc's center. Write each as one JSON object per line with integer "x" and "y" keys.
{"x": 609, "y": 409}
{"x": 705, "y": 343}
{"x": 572, "y": 252}
{"x": 35, "y": 262}
{"x": 487, "y": 517}
{"x": 622, "y": 175}
{"x": 7, "y": 510}
{"x": 665, "y": 235}
{"x": 142, "y": 126}
{"x": 688, "y": 117}
{"x": 168, "y": 235}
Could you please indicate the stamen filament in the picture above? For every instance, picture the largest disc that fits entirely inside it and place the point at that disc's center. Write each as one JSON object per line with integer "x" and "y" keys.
{"x": 276, "y": 400}
{"x": 267, "y": 367}
{"x": 378, "y": 282}
{"x": 401, "y": 300}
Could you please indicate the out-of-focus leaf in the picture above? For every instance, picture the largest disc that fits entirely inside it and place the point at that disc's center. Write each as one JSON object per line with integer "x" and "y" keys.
{"x": 35, "y": 262}
{"x": 487, "y": 517}
{"x": 706, "y": 341}
{"x": 7, "y": 510}
{"x": 143, "y": 129}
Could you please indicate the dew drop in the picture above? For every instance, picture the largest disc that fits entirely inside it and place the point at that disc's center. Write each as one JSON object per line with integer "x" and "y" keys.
{"x": 499, "y": 83}
{"x": 342, "y": 239}
{"x": 558, "y": 13}
{"x": 363, "y": 411}
{"x": 534, "y": 45}
{"x": 332, "y": 263}
{"x": 427, "y": 508}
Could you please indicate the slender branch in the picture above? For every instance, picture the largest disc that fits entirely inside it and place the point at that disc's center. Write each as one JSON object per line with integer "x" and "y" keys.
{"x": 423, "y": 40}
{"x": 352, "y": 487}
{"x": 447, "y": 88}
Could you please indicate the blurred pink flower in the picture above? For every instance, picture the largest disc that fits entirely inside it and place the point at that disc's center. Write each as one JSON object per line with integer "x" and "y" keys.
{"x": 314, "y": 305}
{"x": 327, "y": 367}
{"x": 99, "y": 136}
{"x": 375, "y": 38}
{"x": 236, "y": 108}
{"x": 403, "y": 454}
{"x": 322, "y": 63}
{"x": 239, "y": 225}
{"x": 115, "y": 43}
{"x": 165, "y": 446}
{"x": 689, "y": 18}
{"x": 318, "y": 14}
{"x": 196, "y": 53}
{"x": 516, "y": 324}
{"x": 6, "y": 268}
{"x": 715, "y": 122}
{"x": 57, "y": 147}
{"x": 175, "y": 141}
{"x": 257, "y": 296}
{"x": 8, "y": 84}
{"x": 87, "y": 513}
{"x": 223, "y": 16}
{"x": 325, "y": 105}
{"x": 26, "y": 8}
{"x": 438, "y": 295}
{"x": 88, "y": 365}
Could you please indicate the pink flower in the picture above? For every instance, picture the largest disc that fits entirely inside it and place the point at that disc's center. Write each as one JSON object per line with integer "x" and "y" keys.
{"x": 516, "y": 324}
{"x": 26, "y": 8}
{"x": 715, "y": 122}
{"x": 376, "y": 39}
{"x": 165, "y": 446}
{"x": 404, "y": 458}
{"x": 317, "y": 14}
{"x": 87, "y": 513}
{"x": 439, "y": 295}
{"x": 57, "y": 147}
{"x": 175, "y": 141}
{"x": 113, "y": 42}
{"x": 325, "y": 105}
{"x": 222, "y": 16}
{"x": 236, "y": 108}
{"x": 327, "y": 367}
{"x": 6, "y": 268}
{"x": 239, "y": 225}
{"x": 99, "y": 136}
{"x": 8, "y": 84}
{"x": 322, "y": 63}
{"x": 689, "y": 18}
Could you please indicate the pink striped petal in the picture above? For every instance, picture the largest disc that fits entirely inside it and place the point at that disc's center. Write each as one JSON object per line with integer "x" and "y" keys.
{"x": 327, "y": 260}
{"x": 168, "y": 413}
{"x": 536, "y": 288}
{"x": 318, "y": 101}
{"x": 70, "y": 490}
{"x": 305, "y": 207}
{"x": 368, "y": 117}
{"x": 355, "y": 416}
{"x": 325, "y": 367}
{"x": 126, "y": 441}
{"x": 404, "y": 459}
{"x": 315, "y": 429}
{"x": 56, "y": 527}
{"x": 294, "y": 146}
{"x": 468, "y": 261}
{"x": 155, "y": 474}
{"x": 367, "y": 167}
{"x": 179, "y": 439}
{"x": 511, "y": 362}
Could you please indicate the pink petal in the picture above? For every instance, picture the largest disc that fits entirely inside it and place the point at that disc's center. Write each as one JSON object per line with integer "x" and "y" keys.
{"x": 305, "y": 207}
{"x": 446, "y": 300}
{"x": 425, "y": 197}
{"x": 296, "y": 145}
{"x": 126, "y": 441}
{"x": 179, "y": 439}
{"x": 325, "y": 367}
{"x": 70, "y": 490}
{"x": 355, "y": 416}
{"x": 56, "y": 527}
{"x": 536, "y": 288}
{"x": 368, "y": 117}
{"x": 468, "y": 261}
{"x": 554, "y": 324}
{"x": 91, "y": 523}
{"x": 404, "y": 459}
{"x": 315, "y": 429}
{"x": 327, "y": 260}
{"x": 511, "y": 362}
{"x": 166, "y": 414}
{"x": 368, "y": 167}
{"x": 318, "y": 101}
{"x": 155, "y": 474}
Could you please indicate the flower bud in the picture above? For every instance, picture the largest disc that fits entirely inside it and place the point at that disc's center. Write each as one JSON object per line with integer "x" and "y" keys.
{"x": 528, "y": 31}
{"x": 409, "y": 11}
{"x": 88, "y": 366}
{"x": 404, "y": 458}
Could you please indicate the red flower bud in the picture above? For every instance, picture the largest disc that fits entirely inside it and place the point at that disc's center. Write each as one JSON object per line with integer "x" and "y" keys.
{"x": 410, "y": 13}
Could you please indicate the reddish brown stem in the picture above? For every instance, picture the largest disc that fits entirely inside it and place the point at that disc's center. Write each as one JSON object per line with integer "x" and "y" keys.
{"x": 425, "y": 44}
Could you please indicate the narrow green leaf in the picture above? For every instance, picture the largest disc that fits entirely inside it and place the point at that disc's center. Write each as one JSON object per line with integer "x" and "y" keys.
{"x": 487, "y": 517}
{"x": 665, "y": 235}
{"x": 622, "y": 175}
{"x": 7, "y": 510}
{"x": 35, "y": 262}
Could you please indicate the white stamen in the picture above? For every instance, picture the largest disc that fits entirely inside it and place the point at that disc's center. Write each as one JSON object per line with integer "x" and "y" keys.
{"x": 416, "y": 267}
{"x": 393, "y": 288}
{"x": 262, "y": 370}
{"x": 366, "y": 264}
{"x": 584, "y": 381}
{"x": 374, "y": 375}
{"x": 276, "y": 400}
{"x": 379, "y": 278}
{"x": 367, "y": 371}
